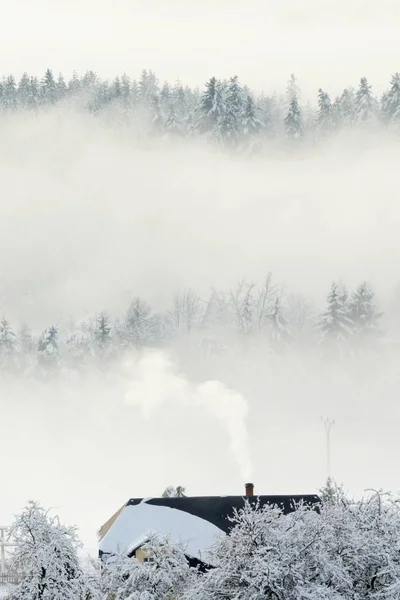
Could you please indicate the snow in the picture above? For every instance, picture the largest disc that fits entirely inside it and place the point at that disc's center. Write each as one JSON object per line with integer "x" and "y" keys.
{"x": 137, "y": 522}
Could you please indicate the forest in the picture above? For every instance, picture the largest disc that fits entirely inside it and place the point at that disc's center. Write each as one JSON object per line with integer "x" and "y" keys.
{"x": 225, "y": 112}
{"x": 261, "y": 317}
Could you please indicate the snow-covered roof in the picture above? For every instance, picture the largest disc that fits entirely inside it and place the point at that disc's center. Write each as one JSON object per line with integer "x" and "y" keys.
{"x": 137, "y": 522}
{"x": 194, "y": 522}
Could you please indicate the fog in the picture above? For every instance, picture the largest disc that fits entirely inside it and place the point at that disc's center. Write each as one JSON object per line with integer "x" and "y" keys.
{"x": 91, "y": 218}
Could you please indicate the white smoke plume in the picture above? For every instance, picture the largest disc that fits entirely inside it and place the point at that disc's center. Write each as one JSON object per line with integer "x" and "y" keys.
{"x": 156, "y": 383}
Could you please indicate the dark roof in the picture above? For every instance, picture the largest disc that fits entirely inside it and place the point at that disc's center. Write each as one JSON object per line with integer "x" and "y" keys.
{"x": 218, "y": 509}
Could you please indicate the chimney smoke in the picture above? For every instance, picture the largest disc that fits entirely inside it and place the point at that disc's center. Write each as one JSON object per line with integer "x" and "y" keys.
{"x": 249, "y": 489}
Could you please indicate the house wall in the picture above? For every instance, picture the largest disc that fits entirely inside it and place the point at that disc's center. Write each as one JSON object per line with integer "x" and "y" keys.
{"x": 141, "y": 554}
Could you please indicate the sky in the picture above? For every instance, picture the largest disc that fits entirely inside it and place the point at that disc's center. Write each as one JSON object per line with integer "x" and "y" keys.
{"x": 90, "y": 218}
{"x": 329, "y": 44}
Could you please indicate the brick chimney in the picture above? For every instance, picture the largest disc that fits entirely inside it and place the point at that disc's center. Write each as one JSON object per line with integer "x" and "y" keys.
{"x": 249, "y": 489}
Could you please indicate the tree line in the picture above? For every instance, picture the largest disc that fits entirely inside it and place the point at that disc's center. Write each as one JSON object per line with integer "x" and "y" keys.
{"x": 346, "y": 549}
{"x": 350, "y": 323}
{"x": 225, "y": 111}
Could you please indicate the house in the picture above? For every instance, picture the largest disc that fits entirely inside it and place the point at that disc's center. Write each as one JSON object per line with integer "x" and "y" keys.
{"x": 196, "y": 522}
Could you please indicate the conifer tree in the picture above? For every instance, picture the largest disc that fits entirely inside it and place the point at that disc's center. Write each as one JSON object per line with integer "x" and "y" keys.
{"x": 103, "y": 336}
{"x": 8, "y": 346}
{"x": 23, "y": 91}
{"x": 9, "y": 98}
{"x": 211, "y": 105}
{"x": 294, "y": 121}
{"x": 325, "y": 117}
{"x": 390, "y": 104}
{"x": 334, "y": 324}
{"x": 230, "y": 122}
{"x": 346, "y": 108}
{"x": 292, "y": 90}
{"x": 49, "y": 89}
{"x": 363, "y": 312}
{"x": 48, "y": 348}
{"x": 365, "y": 108}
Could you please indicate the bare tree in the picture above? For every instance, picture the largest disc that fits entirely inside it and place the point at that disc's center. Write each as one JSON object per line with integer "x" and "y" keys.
{"x": 186, "y": 310}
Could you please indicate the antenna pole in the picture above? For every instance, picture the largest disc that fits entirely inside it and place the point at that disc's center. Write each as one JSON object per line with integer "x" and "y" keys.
{"x": 328, "y": 424}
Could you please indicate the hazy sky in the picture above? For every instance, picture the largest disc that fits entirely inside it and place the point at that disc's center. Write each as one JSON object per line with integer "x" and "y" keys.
{"x": 328, "y": 43}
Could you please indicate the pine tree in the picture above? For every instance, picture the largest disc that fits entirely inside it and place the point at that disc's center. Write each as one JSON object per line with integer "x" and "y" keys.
{"x": 61, "y": 87}
{"x": 334, "y": 324}
{"x": 294, "y": 121}
{"x": 34, "y": 95}
{"x": 49, "y": 89}
{"x": 74, "y": 85}
{"x": 148, "y": 87}
{"x": 325, "y": 118}
{"x": 346, "y": 108}
{"x": 390, "y": 104}
{"x": 292, "y": 90}
{"x": 230, "y": 122}
{"x": 9, "y": 99}
{"x": 172, "y": 123}
{"x": 23, "y": 91}
{"x": 279, "y": 325}
{"x": 8, "y": 346}
{"x": 211, "y": 105}
{"x": 48, "y": 348}
{"x": 251, "y": 125}
{"x": 363, "y": 312}
{"x": 80, "y": 346}
{"x": 365, "y": 104}
{"x": 103, "y": 336}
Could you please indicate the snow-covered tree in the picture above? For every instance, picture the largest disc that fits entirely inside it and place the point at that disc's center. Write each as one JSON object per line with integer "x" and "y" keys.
{"x": 365, "y": 108}
{"x": 103, "y": 335}
{"x": 344, "y": 550}
{"x": 243, "y": 306}
{"x": 9, "y": 96}
{"x": 279, "y": 331}
{"x": 292, "y": 90}
{"x": 334, "y": 324}
{"x": 139, "y": 325}
{"x": 345, "y": 108}
{"x": 48, "y": 347}
{"x": 148, "y": 86}
{"x": 294, "y": 121}
{"x": 8, "y": 345}
{"x": 230, "y": 123}
{"x": 49, "y": 88}
{"x": 80, "y": 346}
{"x": 325, "y": 117}
{"x": 47, "y": 553}
{"x": 390, "y": 103}
{"x": 164, "y": 574}
{"x": 23, "y": 91}
{"x": 186, "y": 311}
{"x": 174, "y": 492}
{"x": 211, "y": 105}
{"x": 251, "y": 125}
{"x": 363, "y": 312}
